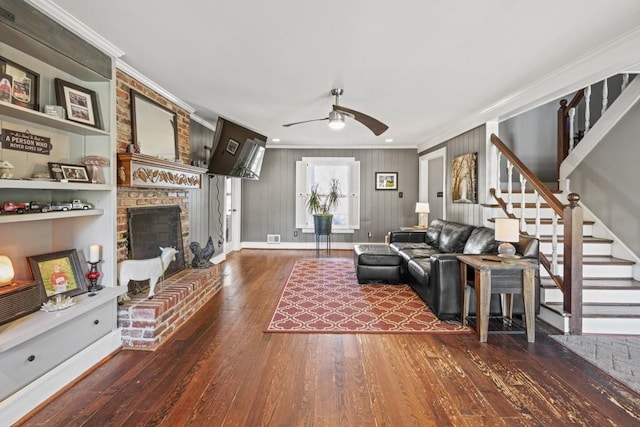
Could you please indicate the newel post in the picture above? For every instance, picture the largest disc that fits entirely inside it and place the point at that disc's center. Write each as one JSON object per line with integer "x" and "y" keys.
{"x": 563, "y": 143}
{"x": 573, "y": 263}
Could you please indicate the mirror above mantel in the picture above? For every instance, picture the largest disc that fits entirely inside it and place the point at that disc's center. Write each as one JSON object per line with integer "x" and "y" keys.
{"x": 154, "y": 128}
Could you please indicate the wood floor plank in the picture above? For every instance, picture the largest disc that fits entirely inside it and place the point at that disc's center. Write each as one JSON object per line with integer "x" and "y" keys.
{"x": 221, "y": 369}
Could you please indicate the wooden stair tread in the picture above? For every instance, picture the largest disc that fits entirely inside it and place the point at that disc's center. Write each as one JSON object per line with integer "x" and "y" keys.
{"x": 607, "y": 310}
{"x": 528, "y": 190}
{"x": 585, "y": 239}
{"x": 547, "y": 221}
{"x": 593, "y": 284}
{"x": 597, "y": 260}
{"x": 515, "y": 205}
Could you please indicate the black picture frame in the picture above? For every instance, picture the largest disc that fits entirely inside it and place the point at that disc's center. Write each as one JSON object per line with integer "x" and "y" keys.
{"x": 25, "y": 84}
{"x": 386, "y": 181}
{"x": 81, "y": 104}
{"x": 232, "y": 147}
{"x": 70, "y": 172}
{"x": 59, "y": 273}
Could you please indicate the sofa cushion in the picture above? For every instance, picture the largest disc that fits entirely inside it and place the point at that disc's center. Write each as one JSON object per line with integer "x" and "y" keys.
{"x": 433, "y": 232}
{"x": 453, "y": 237}
{"x": 481, "y": 241}
{"x": 403, "y": 246}
{"x": 408, "y": 254}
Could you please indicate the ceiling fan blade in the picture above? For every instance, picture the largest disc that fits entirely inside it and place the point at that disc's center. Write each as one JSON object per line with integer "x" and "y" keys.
{"x": 305, "y": 121}
{"x": 375, "y": 126}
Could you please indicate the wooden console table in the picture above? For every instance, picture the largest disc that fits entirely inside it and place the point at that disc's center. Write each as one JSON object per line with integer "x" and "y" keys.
{"x": 483, "y": 265}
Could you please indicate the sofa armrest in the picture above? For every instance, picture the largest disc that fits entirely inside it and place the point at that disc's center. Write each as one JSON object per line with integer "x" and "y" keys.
{"x": 407, "y": 236}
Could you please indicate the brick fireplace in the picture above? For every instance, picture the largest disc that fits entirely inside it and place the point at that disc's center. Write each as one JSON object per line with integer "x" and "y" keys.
{"x": 147, "y": 323}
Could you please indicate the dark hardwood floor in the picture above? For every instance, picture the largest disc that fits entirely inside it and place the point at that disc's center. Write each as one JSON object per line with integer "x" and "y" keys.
{"x": 220, "y": 369}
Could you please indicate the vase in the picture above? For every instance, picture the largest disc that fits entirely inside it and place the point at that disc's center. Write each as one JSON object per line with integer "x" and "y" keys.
{"x": 322, "y": 223}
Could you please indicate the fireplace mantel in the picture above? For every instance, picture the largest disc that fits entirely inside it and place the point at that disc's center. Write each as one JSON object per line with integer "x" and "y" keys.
{"x": 140, "y": 170}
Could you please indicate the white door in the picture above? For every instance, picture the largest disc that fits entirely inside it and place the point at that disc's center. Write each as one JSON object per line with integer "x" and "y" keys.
{"x": 232, "y": 214}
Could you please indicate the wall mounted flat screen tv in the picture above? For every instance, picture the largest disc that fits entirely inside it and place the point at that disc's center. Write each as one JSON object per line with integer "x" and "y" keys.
{"x": 236, "y": 151}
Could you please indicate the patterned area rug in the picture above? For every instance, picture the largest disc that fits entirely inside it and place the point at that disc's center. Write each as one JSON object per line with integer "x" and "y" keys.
{"x": 324, "y": 296}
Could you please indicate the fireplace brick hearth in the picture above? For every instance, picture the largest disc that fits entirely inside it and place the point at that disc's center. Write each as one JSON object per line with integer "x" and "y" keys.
{"x": 146, "y": 323}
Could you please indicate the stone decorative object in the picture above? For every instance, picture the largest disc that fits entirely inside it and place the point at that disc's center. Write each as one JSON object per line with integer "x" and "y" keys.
{"x": 202, "y": 255}
{"x": 5, "y": 170}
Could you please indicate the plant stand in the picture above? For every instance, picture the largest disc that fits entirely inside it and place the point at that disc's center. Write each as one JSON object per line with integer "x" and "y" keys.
{"x": 322, "y": 225}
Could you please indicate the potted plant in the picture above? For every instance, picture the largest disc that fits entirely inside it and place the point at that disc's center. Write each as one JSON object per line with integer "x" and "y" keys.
{"x": 320, "y": 206}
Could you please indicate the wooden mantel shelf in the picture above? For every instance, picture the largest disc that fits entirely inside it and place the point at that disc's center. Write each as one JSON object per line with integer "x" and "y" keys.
{"x": 140, "y": 170}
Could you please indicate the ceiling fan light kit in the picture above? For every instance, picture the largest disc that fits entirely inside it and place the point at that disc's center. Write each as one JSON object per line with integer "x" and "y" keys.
{"x": 337, "y": 115}
{"x": 336, "y": 120}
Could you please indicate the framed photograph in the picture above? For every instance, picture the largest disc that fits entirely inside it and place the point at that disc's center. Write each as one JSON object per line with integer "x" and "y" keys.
{"x": 232, "y": 146}
{"x": 72, "y": 173}
{"x": 464, "y": 178}
{"x": 23, "y": 85}
{"x": 59, "y": 273}
{"x": 81, "y": 103}
{"x": 386, "y": 180}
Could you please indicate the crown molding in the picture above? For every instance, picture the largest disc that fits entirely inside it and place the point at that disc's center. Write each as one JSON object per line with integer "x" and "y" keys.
{"x": 67, "y": 20}
{"x": 613, "y": 57}
{"x": 128, "y": 69}
{"x": 203, "y": 122}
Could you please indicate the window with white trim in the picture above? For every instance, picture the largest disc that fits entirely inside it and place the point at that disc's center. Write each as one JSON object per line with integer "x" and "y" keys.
{"x": 321, "y": 170}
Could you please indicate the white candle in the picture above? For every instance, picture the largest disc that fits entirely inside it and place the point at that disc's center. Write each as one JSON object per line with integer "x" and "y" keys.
{"x": 94, "y": 253}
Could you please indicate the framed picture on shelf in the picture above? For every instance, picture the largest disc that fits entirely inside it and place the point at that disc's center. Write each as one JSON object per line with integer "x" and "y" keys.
{"x": 59, "y": 273}
{"x": 386, "y": 180}
{"x": 23, "y": 84}
{"x": 72, "y": 173}
{"x": 80, "y": 103}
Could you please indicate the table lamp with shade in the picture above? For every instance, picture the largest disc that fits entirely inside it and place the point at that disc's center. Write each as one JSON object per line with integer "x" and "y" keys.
{"x": 422, "y": 209}
{"x": 507, "y": 231}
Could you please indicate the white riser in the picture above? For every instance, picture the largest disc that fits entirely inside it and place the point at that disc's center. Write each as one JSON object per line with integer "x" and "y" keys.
{"x": 598, "y": 271}
{"x": 594, "y": 325}
{"x": 528, "y": 212}
{"x": 516, "y": 197}
{"x": 547, "y": 229}
{"x": 605, "y": 296}
{"x": 620, "y": 326}
{"x": 587, "y": 248}
{"x": 551, "y": 317}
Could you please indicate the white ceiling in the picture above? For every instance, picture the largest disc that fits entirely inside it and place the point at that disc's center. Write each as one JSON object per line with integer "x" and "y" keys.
{"x": 430, "y": 69}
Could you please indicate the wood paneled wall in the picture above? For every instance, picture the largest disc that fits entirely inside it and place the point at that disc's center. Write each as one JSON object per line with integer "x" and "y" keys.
{"x": 469, "y": 142}
{"x": 268, "y": 205}
{"x": 206, "y": 207}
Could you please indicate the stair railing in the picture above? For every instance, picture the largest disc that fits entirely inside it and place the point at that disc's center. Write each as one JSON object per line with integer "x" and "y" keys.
{"x": 571, "y": 281}
{"x": 568, "y": 136}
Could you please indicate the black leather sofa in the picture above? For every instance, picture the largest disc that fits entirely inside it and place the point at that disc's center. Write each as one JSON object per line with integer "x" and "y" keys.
{"x": 432, "y": 269}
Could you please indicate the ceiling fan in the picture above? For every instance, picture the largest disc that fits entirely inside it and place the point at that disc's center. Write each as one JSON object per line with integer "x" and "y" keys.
{"x": 338, "y": 114}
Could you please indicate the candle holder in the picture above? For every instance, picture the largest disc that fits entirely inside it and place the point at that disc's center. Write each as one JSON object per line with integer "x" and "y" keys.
{"x": 93, "y": 275}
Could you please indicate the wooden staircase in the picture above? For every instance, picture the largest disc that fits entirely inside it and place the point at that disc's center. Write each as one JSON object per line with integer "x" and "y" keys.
{"x": 610, "y": 295}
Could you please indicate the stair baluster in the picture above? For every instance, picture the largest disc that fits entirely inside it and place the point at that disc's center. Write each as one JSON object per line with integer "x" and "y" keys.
{"x": 625, "y": 82}
{"x": 605, "y": 96}
{"x": 523, "y": 184}
{"x": 587, "y": 109}
{"x": 509, "y": 187}
{"x": 538, "y": 214}
{"x": 554, "y": 245}
{"x": 572, "y": 119}
{"x": 498, "y": 169}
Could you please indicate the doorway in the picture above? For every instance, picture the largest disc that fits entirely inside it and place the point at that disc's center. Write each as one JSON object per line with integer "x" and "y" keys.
{"x": 432, "y": 188}
{"x": 232, "y": 190}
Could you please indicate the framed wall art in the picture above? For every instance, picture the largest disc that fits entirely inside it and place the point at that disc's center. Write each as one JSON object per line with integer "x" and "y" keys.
{"x": 232, "y": 147}
{"x": 59, "y": 273}
{"x": 72, "y": 173}
{"x": 464, "y": 178}
{"x": 386, "y": 180}
{"x": 18, "y": 85}
{"x": 80, "y": 103}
